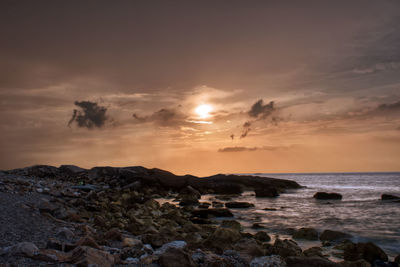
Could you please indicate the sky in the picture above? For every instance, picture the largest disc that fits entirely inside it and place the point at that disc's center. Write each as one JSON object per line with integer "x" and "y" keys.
{"x": 201, "y": 87}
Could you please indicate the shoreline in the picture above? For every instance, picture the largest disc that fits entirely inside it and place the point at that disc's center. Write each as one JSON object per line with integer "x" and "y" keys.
{"x": 110, "y": 216}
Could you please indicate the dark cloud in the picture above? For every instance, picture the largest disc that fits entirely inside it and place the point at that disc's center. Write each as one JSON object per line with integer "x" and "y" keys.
{"x": 261, "y": 111}
{"x": 389, "y": 107}
{"x": 246, "y": 129}
{"x": 243, "y": 148}
{"x": 163, "y": 117}
{"x": 90, "y": 116}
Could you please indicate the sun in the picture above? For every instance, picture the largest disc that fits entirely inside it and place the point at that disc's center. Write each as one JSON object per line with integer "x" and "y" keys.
{"x": 203, "y": 110}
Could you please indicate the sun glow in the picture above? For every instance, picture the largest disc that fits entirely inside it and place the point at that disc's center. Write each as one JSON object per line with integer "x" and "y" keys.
{"x": 203, "y": 110}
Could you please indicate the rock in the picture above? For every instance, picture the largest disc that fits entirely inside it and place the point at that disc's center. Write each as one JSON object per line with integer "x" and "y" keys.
{"x": 209, "y": 213}
{"x": 26, "y": 249}
{"x": 87, "y": 241}
{"x": 325, "y": 196}
{"x": 286, "y": 248}
{"x": 330, "y": 235}
{"x": 175, "y": 257}
{"x": 174, "y": 244}
{"x": 234, "y": 258}
{"x": 66, "y": 234}
{"x": 313, "y": 252}
{"x": 223, "y": 238}
{"x": 389, "y": 197}
{"x": 238, "y": 205}
{"x": 86, "y": 187}
{"x": 262, "y": 236}
{"x": 266, "y": 192}
{"x": 232, "y": 224}
{"x": 87, "y": 256}
{"x": 210, "y": 259}
{"x": 188, "y": 190}
{"x": 397, "y": 259}
{"x": 257, "y": 226}
{"x": 268, "y": 261}
{"x": 306, "y": 233}
{"x": 249, "y": 248}
{"x": 367, "y": 251}
{"x": 113, "y": 234}
{"x": 358, "y": 263}
{"x": 301, "y": 261}
{"x": 132, "y": 243}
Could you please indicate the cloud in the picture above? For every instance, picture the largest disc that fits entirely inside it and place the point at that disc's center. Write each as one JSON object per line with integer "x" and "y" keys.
{"x": 163, "y": 117}
{"x": 389, "y": 107}
{"x": 383, "y": 66}
{"x": 261, "y": 111}
{"x": 246, "y": 129}
{"x": 243, "y": 148}
{"x": 90, "y": 116}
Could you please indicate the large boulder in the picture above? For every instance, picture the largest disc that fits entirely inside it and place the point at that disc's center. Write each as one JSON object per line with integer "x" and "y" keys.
{"x": 306, "y": 233}
{"x": 330, "y": 235}
{"x": 301, "y": 261}
{"x": 223, "y": 238}
{"x": 266, "y": 192}
{"x": 367, "y": 251}
{"x": 327, "y": 196}
{"x": 238, "y": 205}
{"x": 286, "y": 248}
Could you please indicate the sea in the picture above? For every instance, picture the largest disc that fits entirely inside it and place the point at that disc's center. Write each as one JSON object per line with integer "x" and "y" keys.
{"x": 360, "y": 213}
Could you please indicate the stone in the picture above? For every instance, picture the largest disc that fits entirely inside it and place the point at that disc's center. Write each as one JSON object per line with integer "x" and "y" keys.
{"x": 113, "y": 234}
{"x": 397, "y": 259}
{"x": 301, "y": 261}
{"x": 313, "y": 252}
{"x": 306, "y": 233}
{"x": 286, "y": 248}
{"x": 268, "y": 261}
{"x": 326, "y": 196}
{"x": 87, "y": 256}
{"x": 175, "y": 257}
{"x": 232, "y": 224}
{"x": 223, "y": 238}
{"x": 358, "y": 263}
{"x": 87, "y": 241}
{"x": 262, "y": 236}
{"x": 238, "y": 205}
{"x": 132, "y": 243}
{"x": 330, "y": 235}
{"x": 367, "y": 251}
{"x": 234, "y": 258}
{"x": 257, "y": 226}
{"x": 389, "y": 197}
{"x": 66, "y": 234}
{"x": 26, "y": 249}
{"x": 209, "y": 213}
{"x": 249, "y": 248}
{"x": 266, "y": 192}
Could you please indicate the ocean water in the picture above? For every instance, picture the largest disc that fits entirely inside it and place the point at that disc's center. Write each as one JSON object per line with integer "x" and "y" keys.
{"x": 360, "y": 212}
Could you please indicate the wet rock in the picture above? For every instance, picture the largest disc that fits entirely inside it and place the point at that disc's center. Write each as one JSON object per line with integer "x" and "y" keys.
{"x": 132, "y": 243}
{"x": 266, "y": 192}
{"x": 113, "y": 234}
{"x": 330, "y": 235}
{"x": 249, "y": 248}
{"x": 87, "y": 256}
{"x": 222, "y": 238}
{"x": 286, "y": 248}
{"x": 257, "y": 226}
{"x": 367, "y": 251}
{"x": 358, "y": 263}
{"x": 262, "y": 236}
{"x": 238, "y": 205}
{"x": 234, "y": 258}
{"x": 209, "y": 213}
{"x": 326, "y": 196}
{"x": 87, "y": 241}
{"x": 188, "y": 190}
{"x": 306, "y": 233}
{"x": 268, "y": 261}
{"x": 175, "y": 257}
{"x": 313, "y": 252}
{"x": 174, "y": 244}
{"x": 389, "y": 197}
{"x": 209, "y": 259}
{"x": 216, "y": 204}
{"x": 232, "y": 224}
{"x": 299, "y": 261}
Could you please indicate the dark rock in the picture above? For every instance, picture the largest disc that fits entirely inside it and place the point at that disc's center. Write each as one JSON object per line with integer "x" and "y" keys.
{"x": 175, "y": 257}
{"x": 324, "y": 195}
{"x": 113, "y": 234}
{"x": 313, "y": 252}
{"x": 262, "y": 236}
{"x": 397, "y": 259}
{"x": 234, "y": 258}
{"x": 286, "y": 248}
{"x": 389, "y": 197}
{"x": 266, "y": 192}
{"x": 330, "y": 235}
{"x": 268, "y": 261}
{"x": 209, "y": 213}
{"x": 306, "y": 233}
{"x": 87, "y": 256}
{"x": 358, "y": 263}
{"x": 367, "y": 251}
{"x": 232, "y": 224}
{"x": 238, "y": 205}
{"x": 299, "y": 261}
{"x": 257, "y": 226}
{"x": 222, "y": 238}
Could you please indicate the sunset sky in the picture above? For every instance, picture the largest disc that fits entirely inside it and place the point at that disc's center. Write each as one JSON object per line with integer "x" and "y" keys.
{"x": 201, "y": 87}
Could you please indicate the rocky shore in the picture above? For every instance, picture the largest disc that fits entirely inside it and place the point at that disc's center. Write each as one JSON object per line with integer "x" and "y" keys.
{"x": 105, "y": 216}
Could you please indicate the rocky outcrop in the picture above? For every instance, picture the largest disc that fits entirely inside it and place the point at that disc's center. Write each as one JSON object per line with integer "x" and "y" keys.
{"x": 266, "y": 192}
{"x": 330, "y": 235}
{"x": 327, "y": 196}
{"x": 306, "y": 233}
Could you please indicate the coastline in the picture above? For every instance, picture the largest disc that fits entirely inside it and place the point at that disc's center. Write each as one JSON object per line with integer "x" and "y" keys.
{"x": 111, "y": 216}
